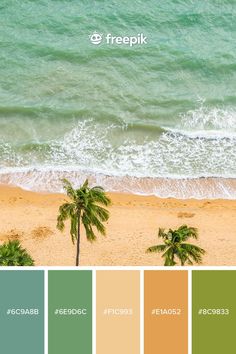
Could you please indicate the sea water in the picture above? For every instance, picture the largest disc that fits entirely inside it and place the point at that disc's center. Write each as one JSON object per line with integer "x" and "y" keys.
{"x": 152, "y": 118}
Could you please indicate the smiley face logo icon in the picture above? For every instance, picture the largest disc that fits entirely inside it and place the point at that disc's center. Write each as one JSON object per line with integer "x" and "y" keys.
{"x": 96, "y": 38}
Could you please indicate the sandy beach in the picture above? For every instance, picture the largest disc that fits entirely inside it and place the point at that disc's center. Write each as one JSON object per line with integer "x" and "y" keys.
{"x": 132, "y": 228}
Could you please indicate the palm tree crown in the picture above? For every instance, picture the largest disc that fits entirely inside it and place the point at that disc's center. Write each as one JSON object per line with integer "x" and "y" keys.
{"x": 175, "y": 246}
{"x": 86, "y": 207}
{"x": 13, "y": 254}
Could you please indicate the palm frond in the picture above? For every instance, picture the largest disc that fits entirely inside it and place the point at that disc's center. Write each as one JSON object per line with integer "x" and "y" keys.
{"x": 169, "y": 257}
{"x": 101, "y": 213}
{"x": 182, "y": 255}
{"x": 89, "y": 217}
{"x": 85, "y": 184}
{"x": 157, "y": 248}
{"x": 66, "y": 211}
{"x": 98, "y": 195}
{"x": 193, "y": 252}
{"x": 186, "y": 232}
{"x": 74, "y": 227}
{"x": 88, "y": 229}
{"x": 70, "y": 191}
{"x": 161, "y": 233}
{"x": 60, "y": 223}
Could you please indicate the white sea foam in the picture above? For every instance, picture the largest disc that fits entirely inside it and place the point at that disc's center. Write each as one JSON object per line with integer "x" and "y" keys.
{"x": 43, "y": 180}
{"x": 215, "y": 123}
{"x": 203, "y": 145}
{"x": 170, "y": 155}
{"x": 214, "y": 118}
{"x": 205, "y": 134}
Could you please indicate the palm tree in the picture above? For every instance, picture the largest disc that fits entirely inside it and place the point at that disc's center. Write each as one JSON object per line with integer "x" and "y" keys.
{"x": 175, "y": 246}
{"x": 12, "y": 254}
{"x": 86, "y": 208}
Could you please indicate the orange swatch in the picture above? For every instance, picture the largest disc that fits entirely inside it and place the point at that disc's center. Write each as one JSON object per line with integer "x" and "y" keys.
{"x": 166, "y": 312}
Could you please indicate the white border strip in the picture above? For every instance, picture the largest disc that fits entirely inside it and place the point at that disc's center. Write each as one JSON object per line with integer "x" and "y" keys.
{"x": 94, "y": 312}
{"x": 45, "y": 311}
{"x": 189, "y": 311}
{"x": 121, "y": 268}
{"x": 141, "y": 275}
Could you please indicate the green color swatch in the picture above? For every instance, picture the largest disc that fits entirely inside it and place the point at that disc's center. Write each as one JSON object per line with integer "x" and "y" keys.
{"x": 21, "y": 312}
{"x": 70, "y": 312}
{"x": 214, "y": 311}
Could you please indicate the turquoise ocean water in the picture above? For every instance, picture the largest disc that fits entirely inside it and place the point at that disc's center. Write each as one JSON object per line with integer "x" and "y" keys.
{"x": 153, "y": 118}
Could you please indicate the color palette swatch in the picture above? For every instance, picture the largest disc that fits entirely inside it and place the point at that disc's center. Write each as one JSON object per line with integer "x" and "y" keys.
{"x": 214, "y": 311}
{"x": 166, "y": 312}
{"x": 70, "y": 311}
{"x": 117, "y": 311}
{"x": 118, "y": 307}
{"x": 22, "y": 312}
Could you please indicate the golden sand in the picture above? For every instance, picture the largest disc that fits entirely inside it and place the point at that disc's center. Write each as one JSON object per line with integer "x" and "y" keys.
{"x": 131, "y": 229}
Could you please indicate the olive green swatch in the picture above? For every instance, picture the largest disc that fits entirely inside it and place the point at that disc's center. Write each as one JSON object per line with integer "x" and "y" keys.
{"x": 21, "y": 312}
{"x": 69, "y": 291}
{"x": 213, "y": 290}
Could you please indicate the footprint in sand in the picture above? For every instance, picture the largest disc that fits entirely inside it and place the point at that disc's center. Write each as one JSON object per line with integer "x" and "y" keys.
{"x": 185, "y": 215}
{"x": 12, "y": 200}
{"x": 41, "y": 232}
{"x": 205, "y": 204}
{"x": 11, "y": 235}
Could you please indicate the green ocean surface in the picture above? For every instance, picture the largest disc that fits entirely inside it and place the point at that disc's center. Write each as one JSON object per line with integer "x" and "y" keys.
{"x": 165, "y": 109}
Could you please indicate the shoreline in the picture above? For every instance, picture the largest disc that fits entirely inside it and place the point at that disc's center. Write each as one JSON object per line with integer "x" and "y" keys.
{"x": 201, "y": 188}
{"x": 131, "y": 229}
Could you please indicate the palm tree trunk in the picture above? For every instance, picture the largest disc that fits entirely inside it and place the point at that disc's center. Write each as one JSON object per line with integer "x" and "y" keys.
{"x": 78, "y": 241}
